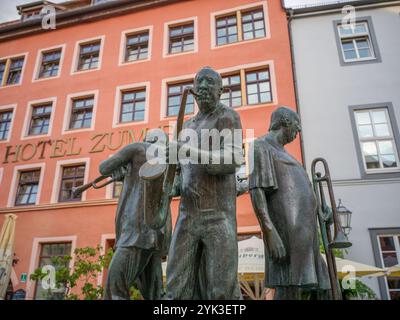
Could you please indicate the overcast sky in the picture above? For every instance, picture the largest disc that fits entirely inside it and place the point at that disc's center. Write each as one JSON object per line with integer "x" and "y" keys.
{"x": 9, "y": 12}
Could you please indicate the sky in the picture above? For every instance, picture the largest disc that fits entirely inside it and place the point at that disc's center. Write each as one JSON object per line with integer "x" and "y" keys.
{"x": 8, "y": 10}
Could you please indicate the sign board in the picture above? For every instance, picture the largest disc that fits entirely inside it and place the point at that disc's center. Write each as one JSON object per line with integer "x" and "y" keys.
{"x": 23, "y": 277}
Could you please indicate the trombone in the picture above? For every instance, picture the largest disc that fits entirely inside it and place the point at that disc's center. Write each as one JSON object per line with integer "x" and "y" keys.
{"x": 76, "y": 191}
{"x": 327, "y": 215}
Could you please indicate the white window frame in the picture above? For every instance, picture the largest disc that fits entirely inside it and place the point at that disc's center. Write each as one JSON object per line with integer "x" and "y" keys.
{"x": 28, "y": 117}
{"x": 375, "y": 139}
{"x": 169, "y": 24}
{"x": 354, "y": 37}
{"x": 125, "y": 34}
{"x": 217, "y": 14}
{"x": 103, "y": 242}
{"x": 238, "y": 68}
{"x": 12, "y": 107}
{"x": 25, "y": 55}
{"x": 68, "y": 111}
{"x": 39, "y": 60}
{"x": 77, "y": 51}
{"x": 164, "y": 96}
{"x": 242, "y": 69}
{"x": 58, "y": 175}
{"x": 117, "y": 104}
{"x": 1, "y": 175}
{"x": 15, "y": 181}
{"x": 35, "y": 254}
{"x": 397, "y": 248}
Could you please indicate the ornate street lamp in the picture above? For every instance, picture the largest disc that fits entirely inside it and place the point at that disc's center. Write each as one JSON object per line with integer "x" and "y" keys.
{"x": 344, "y": 217}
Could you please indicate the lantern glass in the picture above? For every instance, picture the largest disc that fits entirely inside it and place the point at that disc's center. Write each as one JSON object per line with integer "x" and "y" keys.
{"x": 344, "y": 217}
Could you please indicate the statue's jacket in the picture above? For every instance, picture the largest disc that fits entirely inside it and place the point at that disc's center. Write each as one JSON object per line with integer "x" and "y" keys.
{"x": 130, "y": 227}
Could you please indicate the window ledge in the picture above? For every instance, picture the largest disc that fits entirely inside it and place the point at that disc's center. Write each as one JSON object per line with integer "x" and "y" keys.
{"x": 75, "y": 72}
{"x": 45, "y": 79}
{"x": 178, "y": 54}
{"x": 72, "y": 131}
{"x": 255, "y": 106}
{"x": 379, "y": 171}
{"x": 215, "y": 46}
{"x": 58, "y": 205}
{"x": 360, "y": 60}
{"x": 172, "y": 118}
{"x": 131, "y": 123}
{"x": 39, "y": 136}
{"x": 10, "y": 85}
{"x": 127, "y": 63}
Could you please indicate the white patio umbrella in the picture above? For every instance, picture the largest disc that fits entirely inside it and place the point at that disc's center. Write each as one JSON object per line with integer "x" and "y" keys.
{"x": 345, "y": 267}
{"x": 7, "y": 243}
{"x": 251, "y": 258}
{"x": 393, "y": 271}
{"x": 252, "y": 267}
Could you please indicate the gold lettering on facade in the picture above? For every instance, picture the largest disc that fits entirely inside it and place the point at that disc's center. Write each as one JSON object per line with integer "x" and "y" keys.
{"x": 119, "y": 144}
{"x": 70, "y": 148}
{"x": 10, "y": 153}
{"x": 96, "y": 148}
{"x": 43, "y": 144}
{"x": 26, "y": 156}
{"x": 131, "y": 135}
{"x": 57, "y": 148}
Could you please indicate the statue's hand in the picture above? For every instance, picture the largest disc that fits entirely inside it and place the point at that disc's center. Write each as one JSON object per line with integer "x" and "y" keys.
{"x": 275, "y": 246}
{"x": 119, "y": 174}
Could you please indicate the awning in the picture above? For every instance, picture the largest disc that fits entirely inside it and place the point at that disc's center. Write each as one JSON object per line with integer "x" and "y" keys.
{"x": 7, "y": 243}
{"x": 393, "y": 271}
{"x": 251, "y": 259}
{"x": 345, "y": 267}
{"x": 252, "y": 264}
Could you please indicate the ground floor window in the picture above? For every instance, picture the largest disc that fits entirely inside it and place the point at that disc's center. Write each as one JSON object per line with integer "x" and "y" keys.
{"x": 389, "y": 246}
{"x": 48, "y": 251}
{"x": 386, "y": 248}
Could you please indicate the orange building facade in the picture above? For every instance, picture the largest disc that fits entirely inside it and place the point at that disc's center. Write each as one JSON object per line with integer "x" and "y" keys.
{"x": 72, "y": 96}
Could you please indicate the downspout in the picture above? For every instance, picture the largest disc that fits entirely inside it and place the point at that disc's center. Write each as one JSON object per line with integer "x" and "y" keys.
{"x": 296, "y": 93}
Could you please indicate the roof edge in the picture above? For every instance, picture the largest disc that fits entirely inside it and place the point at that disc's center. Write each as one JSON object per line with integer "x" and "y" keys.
{"x": 336, "y": 6}
{"x": 80, "y": 15}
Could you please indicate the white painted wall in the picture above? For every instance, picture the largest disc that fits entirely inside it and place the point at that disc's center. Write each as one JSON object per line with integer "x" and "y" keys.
{"x": 326, "y": 90}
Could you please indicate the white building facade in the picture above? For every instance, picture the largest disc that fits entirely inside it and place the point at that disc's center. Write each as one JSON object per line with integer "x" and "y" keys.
{"x": 348, "y": 87}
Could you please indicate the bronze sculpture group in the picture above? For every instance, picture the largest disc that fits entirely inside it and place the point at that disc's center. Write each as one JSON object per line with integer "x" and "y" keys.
{"x": 203, "y": 251}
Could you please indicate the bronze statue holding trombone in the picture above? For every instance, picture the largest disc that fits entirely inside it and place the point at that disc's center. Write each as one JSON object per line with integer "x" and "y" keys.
{"x": 284, "y": 202}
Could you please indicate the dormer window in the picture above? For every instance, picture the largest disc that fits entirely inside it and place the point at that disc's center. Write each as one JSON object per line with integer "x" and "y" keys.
{"x": 100, "y": 1}
{"x": 31, "y": 15}
{"x": 33, "y": 10}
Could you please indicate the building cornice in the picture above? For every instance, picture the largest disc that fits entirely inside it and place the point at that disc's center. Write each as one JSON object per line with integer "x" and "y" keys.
{"x": 79, "y": 16}
{"x": 58, "y": 206}
{"x": 63, "y": 205}
{"x": 308, "y": 11}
